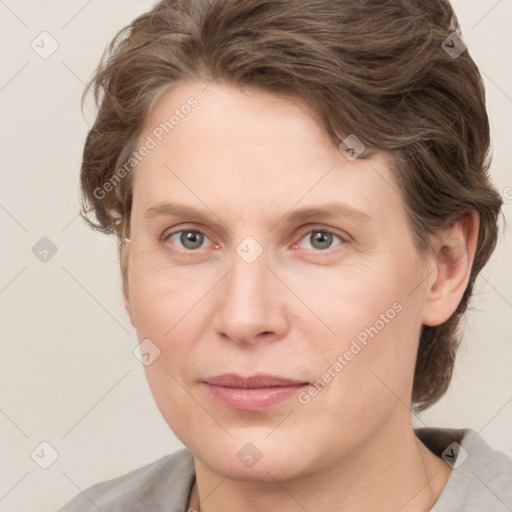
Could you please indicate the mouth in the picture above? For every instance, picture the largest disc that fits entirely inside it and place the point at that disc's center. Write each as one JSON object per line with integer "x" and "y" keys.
{"x": 252, "y": 393}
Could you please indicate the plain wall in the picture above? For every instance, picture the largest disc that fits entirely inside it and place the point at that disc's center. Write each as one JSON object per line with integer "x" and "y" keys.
{"x": 68, "y": 375}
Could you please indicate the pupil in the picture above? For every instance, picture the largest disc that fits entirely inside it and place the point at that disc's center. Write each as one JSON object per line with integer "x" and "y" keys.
{"x": 320, "y": 240}
{"x": 191, "y": 239}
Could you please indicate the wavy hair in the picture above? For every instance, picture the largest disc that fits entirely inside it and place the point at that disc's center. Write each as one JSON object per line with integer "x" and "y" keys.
{"x": 371, "y": 68}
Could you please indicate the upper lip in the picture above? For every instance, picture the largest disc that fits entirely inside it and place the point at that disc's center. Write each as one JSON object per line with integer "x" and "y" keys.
{"x": 260, "y": 380}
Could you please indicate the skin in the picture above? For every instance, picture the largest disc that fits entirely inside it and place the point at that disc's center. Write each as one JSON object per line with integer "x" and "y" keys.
{"x": 247, "y": 160}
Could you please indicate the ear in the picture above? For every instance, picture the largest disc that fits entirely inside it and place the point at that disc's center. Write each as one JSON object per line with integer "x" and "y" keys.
{"x": 453, "y": 259}
{"x": 127, "y": 304}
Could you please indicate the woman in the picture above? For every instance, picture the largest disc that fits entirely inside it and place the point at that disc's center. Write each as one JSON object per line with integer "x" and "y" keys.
{"x": 302, "y": 203}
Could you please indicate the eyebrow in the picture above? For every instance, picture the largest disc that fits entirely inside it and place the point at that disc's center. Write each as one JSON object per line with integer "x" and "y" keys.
{"x": 174, "y": 209}
{"x": 295, "y": 215}
{"x": 327, "y": 210}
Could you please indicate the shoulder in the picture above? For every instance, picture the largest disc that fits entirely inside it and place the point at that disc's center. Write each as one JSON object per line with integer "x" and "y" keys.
{"x": 162, "y": 485}
{"x": 481, "y": 477}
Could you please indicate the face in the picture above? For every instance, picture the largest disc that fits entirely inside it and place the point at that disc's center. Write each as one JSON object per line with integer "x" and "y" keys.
{"x": 257, "y": 247}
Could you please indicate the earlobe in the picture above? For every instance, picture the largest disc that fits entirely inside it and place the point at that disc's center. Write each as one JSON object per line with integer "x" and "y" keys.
{"x": 454, "y": 255}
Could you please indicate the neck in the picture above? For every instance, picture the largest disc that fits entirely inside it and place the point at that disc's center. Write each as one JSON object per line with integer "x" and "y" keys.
{"x": 395, "y": 471}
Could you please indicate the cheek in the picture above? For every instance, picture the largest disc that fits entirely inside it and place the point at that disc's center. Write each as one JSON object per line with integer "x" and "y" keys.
{"x": 162, "y": 297}
{"x": 364, "y": 372}
{"x": 370, "y": 327}
{"x": 169, "y": 314}
{"x": 351, "y": 302}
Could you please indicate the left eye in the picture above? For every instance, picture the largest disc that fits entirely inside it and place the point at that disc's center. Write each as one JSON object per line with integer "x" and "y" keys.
{"x": 319, "y": 240}
{"x": 188, "y": 239}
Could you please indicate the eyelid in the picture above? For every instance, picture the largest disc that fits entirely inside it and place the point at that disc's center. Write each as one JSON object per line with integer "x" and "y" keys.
{"x": 323, "y": 252}
{"x": 342, "y": 235}
{"x": 177, "y": 229}
{"x": 167, "y": 234}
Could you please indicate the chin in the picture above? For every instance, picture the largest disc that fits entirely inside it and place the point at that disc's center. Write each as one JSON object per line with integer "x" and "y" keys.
{"x": 253, "y": 458}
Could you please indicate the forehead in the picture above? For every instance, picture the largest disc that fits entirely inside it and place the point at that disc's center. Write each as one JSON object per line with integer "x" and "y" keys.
{"x": 223, "y": 115}
{"x": 235, "y": 142}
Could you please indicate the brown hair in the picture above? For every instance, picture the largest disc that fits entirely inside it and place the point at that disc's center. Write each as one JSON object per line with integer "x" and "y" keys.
{"x": 370, "y": 68}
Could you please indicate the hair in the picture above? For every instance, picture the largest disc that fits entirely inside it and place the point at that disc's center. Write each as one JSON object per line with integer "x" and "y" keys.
{"x": 370, "y": 68}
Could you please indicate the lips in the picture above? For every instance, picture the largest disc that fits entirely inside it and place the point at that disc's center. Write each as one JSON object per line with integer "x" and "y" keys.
{"x": 252, "y": 393}
{"x": 231, "y": 380}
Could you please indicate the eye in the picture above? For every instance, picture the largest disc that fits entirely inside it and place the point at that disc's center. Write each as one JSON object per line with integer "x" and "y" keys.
{"x": 319, "y": 240}
{"x": 188, "y": 239}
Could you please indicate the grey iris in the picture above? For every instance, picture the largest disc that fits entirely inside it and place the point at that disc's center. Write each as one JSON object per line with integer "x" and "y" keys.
{"x": 191, "y": 239}
{"x": 320, "y": 239}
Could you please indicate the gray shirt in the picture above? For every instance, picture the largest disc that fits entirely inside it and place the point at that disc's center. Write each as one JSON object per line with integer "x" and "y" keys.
{"x": 481, "y": 480}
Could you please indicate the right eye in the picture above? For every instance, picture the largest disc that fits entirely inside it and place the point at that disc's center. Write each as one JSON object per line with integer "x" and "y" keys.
{"x": 188, "y": 239}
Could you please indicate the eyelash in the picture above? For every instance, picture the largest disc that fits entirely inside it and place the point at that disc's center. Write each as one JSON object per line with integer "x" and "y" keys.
{"x": 342, "y": 238}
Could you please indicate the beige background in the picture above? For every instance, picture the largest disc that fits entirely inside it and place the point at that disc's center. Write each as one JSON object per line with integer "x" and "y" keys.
{"x": 68, "y": 375}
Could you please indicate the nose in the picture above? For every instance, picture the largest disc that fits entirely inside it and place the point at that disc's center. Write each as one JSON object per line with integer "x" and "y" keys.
{"x": 251, "y": 304}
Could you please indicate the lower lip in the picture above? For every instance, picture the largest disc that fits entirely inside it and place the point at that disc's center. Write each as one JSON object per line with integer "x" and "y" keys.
{"x": 253, "y": 399}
